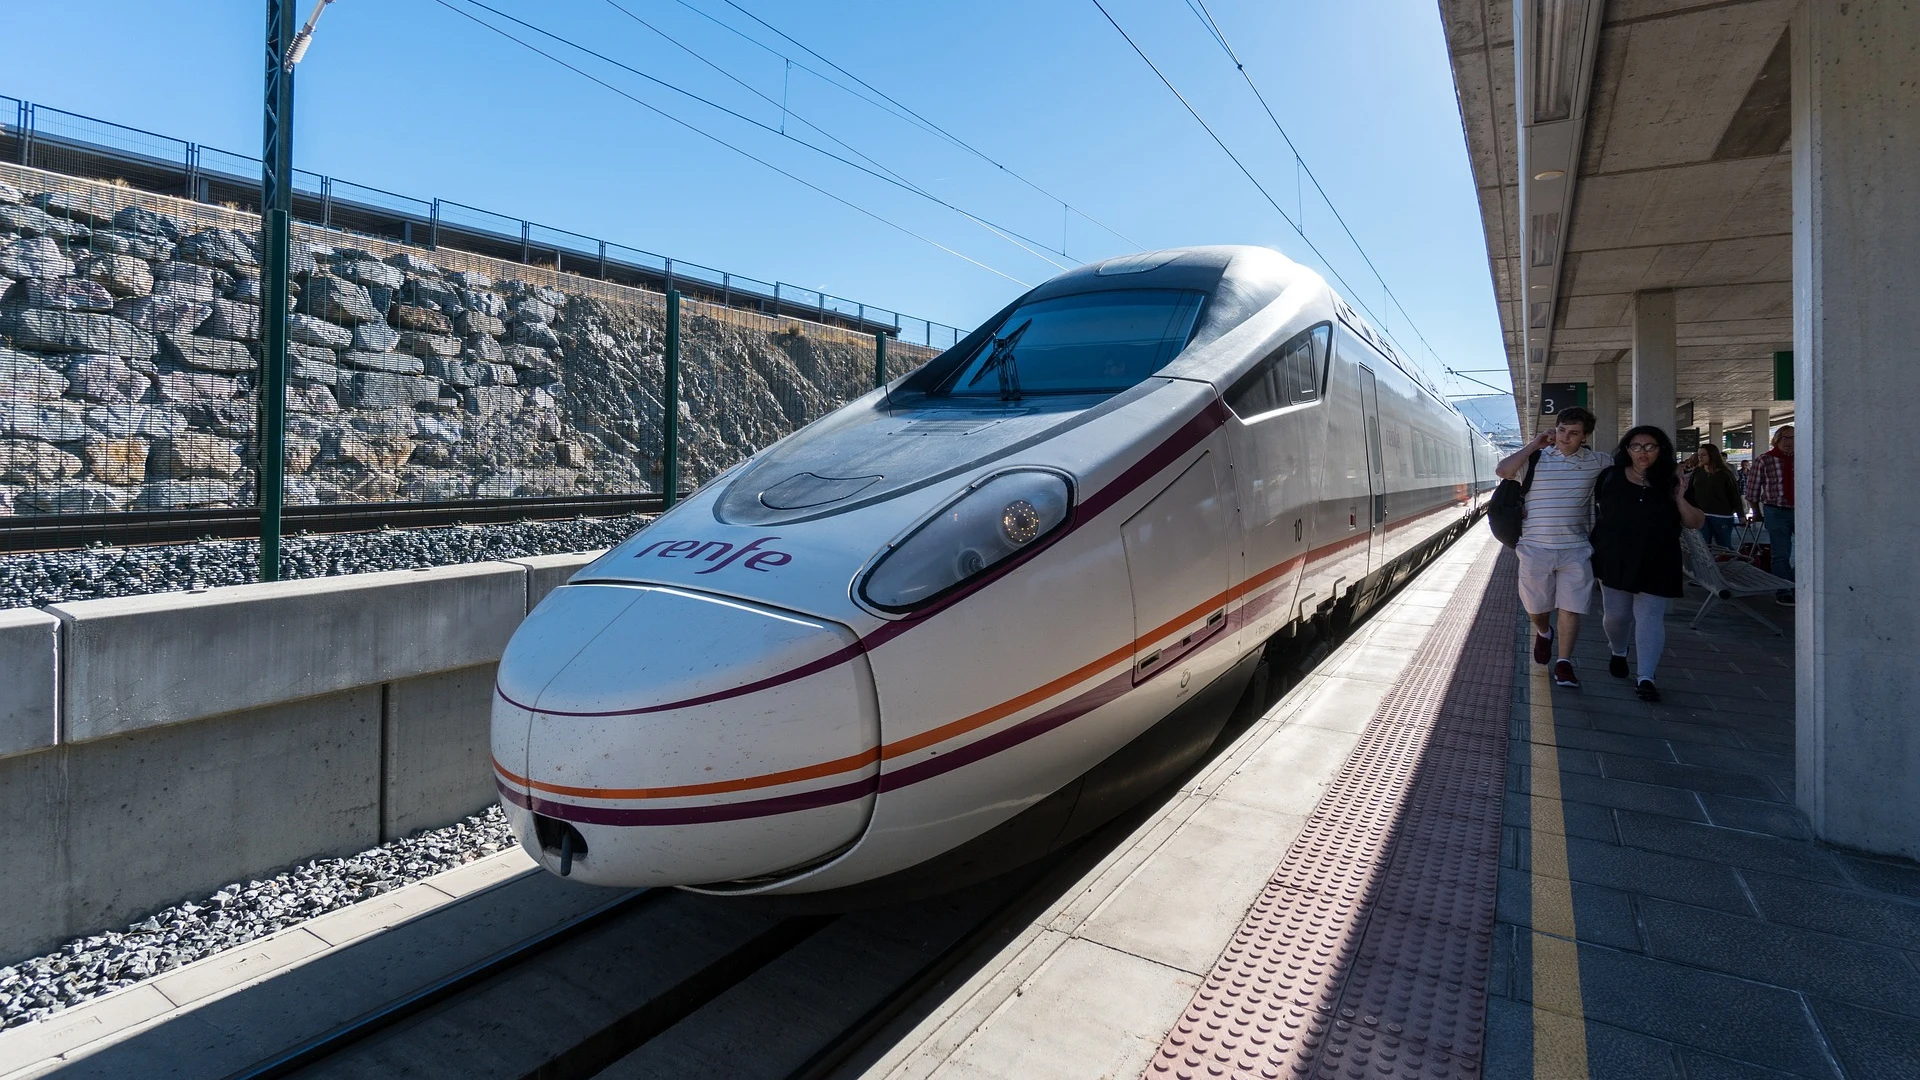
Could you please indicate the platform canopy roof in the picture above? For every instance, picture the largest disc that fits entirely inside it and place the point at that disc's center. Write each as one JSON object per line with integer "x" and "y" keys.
{"x": 1634, "y": 145}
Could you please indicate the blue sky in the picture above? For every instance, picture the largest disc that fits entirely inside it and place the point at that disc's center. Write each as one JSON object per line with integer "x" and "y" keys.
{"x": 409, "y": 96}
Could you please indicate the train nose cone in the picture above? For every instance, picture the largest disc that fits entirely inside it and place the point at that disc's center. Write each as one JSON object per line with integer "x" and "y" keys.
{"x": 684, "y": 738}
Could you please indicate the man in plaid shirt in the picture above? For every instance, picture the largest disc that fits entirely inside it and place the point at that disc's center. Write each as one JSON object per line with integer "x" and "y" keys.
{"x": 1770, "y": 490}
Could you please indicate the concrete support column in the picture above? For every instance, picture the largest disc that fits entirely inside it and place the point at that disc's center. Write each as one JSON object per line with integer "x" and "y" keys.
{"x": 1653, "y": 356}
{"x": 1606, "y": 405}
{"x": 1715, "y": 433}
{"x": 1856, "y": 259}
{"x": 1762, "y": 431}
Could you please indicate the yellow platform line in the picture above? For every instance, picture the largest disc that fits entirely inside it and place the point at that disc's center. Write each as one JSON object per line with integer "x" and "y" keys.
{"x": 1559, "y": 1019}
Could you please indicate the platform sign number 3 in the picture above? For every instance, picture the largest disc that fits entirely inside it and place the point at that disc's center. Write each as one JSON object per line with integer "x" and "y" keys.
{"x": 1555, "y": 396}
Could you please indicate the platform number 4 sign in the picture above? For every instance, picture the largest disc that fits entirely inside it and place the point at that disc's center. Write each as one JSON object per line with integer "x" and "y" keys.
{"x": 1555, "y": 396}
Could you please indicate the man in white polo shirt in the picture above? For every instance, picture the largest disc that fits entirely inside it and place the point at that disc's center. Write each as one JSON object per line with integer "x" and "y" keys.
{"x": 1556, "y": 561}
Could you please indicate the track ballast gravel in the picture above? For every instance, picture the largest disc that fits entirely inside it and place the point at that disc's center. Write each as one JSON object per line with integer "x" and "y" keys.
{"x": 239, "y": 913}
{"x": 53, "y": 577}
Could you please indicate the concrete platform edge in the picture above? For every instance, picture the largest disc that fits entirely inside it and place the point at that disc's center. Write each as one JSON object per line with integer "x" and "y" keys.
{"x": 50, "y": 1043}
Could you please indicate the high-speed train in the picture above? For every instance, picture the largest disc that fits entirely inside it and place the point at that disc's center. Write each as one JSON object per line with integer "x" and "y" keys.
{"x": 972, "y": 615}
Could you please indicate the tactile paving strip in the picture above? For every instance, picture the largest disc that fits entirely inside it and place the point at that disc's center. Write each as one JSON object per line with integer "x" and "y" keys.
{"x": 1366, "y": 955}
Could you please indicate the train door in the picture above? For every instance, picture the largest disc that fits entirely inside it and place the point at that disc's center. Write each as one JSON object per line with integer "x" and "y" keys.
{"x": 1273, "y": 412}
{"x": 1179, "y": 550}
{"x": 1376, "y": 469}
{"x": 1337, "y": 541}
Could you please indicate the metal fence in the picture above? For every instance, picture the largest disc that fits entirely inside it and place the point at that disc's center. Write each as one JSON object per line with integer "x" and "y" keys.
{"x": 427, "y": 384}
{"x": 40, "y": 136}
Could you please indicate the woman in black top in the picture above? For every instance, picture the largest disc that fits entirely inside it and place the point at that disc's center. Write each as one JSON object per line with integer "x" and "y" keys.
{"x": 1641, "y": 503}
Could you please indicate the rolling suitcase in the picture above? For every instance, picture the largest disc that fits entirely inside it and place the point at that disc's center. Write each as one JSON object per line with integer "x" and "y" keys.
{"x": 1748, "y": 541}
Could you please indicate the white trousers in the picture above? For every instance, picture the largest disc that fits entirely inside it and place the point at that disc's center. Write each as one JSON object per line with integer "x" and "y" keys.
{"x": 1638, "y": 619}
{"x": 1555, "y": 578}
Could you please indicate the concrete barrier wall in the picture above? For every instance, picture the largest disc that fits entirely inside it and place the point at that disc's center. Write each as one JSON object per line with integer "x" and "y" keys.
{"x": 155, "y": 748}
{"x": 29, "y": 644}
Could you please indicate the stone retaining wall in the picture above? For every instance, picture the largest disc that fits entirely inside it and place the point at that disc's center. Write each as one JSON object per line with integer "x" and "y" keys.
{"x": 129, "y": 338}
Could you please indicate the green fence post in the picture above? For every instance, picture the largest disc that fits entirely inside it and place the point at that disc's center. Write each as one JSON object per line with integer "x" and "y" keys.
{"x": 276, "y": 226}
{"x": 880, "y": 359}
{"x": 670, "y": 428}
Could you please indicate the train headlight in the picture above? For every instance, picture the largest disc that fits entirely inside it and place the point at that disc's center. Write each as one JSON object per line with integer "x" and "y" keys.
{"x": 989, "y": 523}
{"x": 1021, "y": 522}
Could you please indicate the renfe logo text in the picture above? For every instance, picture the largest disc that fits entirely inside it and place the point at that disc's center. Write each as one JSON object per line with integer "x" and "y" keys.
{"x": 718, "y": 552}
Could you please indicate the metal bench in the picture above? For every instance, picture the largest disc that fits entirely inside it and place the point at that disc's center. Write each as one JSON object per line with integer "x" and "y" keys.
{"x": 1730, "y": 579}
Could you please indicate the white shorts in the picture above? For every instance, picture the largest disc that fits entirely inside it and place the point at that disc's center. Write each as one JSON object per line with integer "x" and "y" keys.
{"x": 1555, "y": 578}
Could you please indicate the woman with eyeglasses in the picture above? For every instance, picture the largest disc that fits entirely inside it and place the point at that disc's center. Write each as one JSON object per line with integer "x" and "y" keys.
{"x": 1641, "y": 506}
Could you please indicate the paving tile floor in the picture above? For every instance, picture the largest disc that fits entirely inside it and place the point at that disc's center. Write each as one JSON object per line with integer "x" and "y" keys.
{"x": 1715, "y": 939}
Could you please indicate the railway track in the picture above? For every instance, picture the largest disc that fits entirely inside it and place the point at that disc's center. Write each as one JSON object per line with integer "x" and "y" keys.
{"x": 663, "y": 983}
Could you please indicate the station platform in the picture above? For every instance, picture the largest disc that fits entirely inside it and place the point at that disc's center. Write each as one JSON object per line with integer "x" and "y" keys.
{"x": 1713, "y": 937}
{"x": 1428, "y": 861}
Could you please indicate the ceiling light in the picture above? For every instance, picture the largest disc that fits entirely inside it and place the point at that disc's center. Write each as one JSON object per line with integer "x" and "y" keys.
{"x": 1550, "y": 174}
{"x": 1543, "y": 239}
{"x": 1555, "y": 47}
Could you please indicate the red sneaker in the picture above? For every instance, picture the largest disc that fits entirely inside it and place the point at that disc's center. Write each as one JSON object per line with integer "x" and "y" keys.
{"x": 1542, "y": 647}
{"x": 1563, "y": 674}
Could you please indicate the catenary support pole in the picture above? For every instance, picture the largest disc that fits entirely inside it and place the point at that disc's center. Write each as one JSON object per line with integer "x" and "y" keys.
{"x": 670, "y": 423}
{"x": 880, "y": 359}
{"x": 276, "y": 203}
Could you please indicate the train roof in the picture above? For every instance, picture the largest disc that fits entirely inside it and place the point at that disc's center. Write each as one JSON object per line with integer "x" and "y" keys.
{"x": 1240, "y": 280}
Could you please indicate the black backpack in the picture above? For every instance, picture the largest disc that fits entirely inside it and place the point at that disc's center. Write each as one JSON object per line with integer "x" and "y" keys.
{"x": 1509, "y": 505}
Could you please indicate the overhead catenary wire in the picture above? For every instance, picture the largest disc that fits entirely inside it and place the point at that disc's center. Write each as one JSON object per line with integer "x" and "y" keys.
{"x": 870, "y": 97}
{"x": 1471, "y": 379}
{"x": 1221, "y": 143}
{"x": 785, "y": 112}
{"x": 1195, "y": 113}
{"x": 1200, "y": 11}
{"x": 1016, "y": 239}
{"x": 650, "y": 107}
{"x": 889, "y": 104}
{"x": 1004, "y": 232}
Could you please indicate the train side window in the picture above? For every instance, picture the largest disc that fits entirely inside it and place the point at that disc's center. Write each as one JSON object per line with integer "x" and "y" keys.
{"x": 1253, "y": 393}
{"x": 1306, "y": 359}
{"x": 1289, "y": 375}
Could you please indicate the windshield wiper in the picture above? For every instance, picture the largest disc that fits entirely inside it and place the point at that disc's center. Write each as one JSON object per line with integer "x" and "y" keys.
{"x": 1001, "y": 360}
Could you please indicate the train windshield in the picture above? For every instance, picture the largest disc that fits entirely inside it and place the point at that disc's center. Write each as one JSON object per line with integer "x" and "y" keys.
{"x": 1097, "y": 342}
